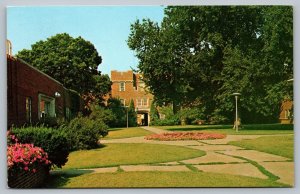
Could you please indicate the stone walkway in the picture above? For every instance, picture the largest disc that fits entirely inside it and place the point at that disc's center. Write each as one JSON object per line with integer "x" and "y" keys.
{"x": 219, "y": 158}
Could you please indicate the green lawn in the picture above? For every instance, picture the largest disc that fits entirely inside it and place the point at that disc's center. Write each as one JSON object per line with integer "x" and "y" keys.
{"x": 279, "y": 145}
{"x": 255, "y": 129}
{"x": 118, "y": 154}
{"x": 156, "y": 179}
{"x": 117, "y": 133}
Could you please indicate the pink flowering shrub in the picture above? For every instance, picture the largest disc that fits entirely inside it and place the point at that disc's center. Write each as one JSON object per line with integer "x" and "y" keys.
{"x": 25, "y": 157}
{"x": 184, "y": 136}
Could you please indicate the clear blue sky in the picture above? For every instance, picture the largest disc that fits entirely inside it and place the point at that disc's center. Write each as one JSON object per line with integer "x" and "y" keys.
{"x": 107, "y": 27}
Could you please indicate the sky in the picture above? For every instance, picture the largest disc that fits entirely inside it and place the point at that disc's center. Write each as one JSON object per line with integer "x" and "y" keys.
{"x": 107, "y": 27}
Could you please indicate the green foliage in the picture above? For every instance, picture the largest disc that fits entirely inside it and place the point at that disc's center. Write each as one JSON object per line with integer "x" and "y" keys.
{"x": 72, "y": 61}
{"x": 53, "y": 141}
{"x": 215, "y": 51}
{"x": 191, "y": 115}
{"x": 170, "y": 117}
{"x": 154, "y": 115}
{"x": 115, "y": 105}
{"x": 132, "y": 116}
{"x": 166, "y": 122}
{"x": 104, "y": 114}
{"x": 84, "y": 133}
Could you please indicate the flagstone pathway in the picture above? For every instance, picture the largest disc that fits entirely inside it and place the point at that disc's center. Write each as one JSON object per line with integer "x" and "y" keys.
{"x": 219, "y": 158}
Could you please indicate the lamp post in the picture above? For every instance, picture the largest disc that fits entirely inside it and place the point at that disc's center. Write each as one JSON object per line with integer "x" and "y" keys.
{"x": 236, "y": 126}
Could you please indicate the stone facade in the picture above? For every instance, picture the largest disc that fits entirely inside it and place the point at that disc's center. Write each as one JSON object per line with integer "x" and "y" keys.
{"x": 128, "y": 86}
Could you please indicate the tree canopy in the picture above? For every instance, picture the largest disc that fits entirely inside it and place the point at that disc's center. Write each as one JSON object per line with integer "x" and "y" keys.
{"x": 200, "y": 55}
{"x": 72, "y": 61}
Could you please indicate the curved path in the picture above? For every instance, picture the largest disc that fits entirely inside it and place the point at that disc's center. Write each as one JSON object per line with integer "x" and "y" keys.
{"x": 220, "y": 158}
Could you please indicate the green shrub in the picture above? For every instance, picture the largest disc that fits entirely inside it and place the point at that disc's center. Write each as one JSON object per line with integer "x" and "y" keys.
{"x": 132, "y": 116}
{"x": 166, "y": 122}
{"x": 104, "y": 114}
{"x": 84, "y": 133}
{"x": 115, "y": 105}
{"x": 53, "y": 141}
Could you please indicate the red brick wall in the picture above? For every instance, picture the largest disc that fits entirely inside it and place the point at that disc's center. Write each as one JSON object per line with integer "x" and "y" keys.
{"x": 130, "y": 90}
{"x": 26, "y": 81}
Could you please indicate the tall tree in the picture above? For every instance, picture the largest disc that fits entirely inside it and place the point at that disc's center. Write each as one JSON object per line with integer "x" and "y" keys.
{"x": 72, "y": 61}
{"x": 205, "y": 53}
{"x": 132, "y": 116}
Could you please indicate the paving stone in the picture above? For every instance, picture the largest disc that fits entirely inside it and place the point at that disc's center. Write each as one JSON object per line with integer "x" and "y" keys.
{"x": 255, "y": 155}
{"x": 170, "y": 163}
{"x": 104, "y": 170}
{"x": 284, "y": 170}
{"x": 216, "y": 147}
{"x": 212, "y": 157}
{"x": 154, "y": 168}
{"x": 244, "y": 169}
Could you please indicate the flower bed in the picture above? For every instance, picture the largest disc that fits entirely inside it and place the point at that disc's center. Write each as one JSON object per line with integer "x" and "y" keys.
{"x": 185, "y": 136}
{"x": 27, "y": 164}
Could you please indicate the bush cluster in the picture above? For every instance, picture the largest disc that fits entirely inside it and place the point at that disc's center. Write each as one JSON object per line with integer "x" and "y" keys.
{"x": 184, "y": 116}
{"x": 165, "y": 122}
{"x": 84, "y": 133}
{"x": 52, "y": 141}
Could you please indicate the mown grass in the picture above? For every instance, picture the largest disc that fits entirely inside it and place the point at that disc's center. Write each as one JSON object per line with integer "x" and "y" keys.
{"x": 117, "y": 133}
{"x": 157, "y": 179}
{"x": 255, "y": 129}
{"x": 278, "y": 145}
{"x": 135, "y": 153}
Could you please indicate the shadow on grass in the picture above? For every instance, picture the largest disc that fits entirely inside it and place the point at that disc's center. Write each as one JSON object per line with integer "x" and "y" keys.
{"x": 60, "y": 178}
{"x": 244, "y": 127}
{"x": 204, "y": 127}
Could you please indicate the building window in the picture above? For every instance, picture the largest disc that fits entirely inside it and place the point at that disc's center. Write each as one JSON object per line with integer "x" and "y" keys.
{"x": 122, "y": 102}
{"x": 46, "y": 106}
{"x": 28, "y": 108}
{"x": 122, "y": 86}
{"x": 142, "y": 102}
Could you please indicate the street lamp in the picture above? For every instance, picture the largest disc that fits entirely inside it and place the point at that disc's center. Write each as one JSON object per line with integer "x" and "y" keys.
{"x": 236, "y": 125}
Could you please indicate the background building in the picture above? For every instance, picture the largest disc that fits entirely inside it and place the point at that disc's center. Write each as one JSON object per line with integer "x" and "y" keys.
{"x": 129, "y": 86}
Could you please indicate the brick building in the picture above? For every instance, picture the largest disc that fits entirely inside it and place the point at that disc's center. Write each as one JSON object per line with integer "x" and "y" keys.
{"x": 33, "y": 95}
{"x": 286, "y": 111}
{"x": 128, "y": 86}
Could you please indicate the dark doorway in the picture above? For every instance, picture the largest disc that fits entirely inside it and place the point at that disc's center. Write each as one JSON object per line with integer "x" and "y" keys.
{"x": 145, "y": 123}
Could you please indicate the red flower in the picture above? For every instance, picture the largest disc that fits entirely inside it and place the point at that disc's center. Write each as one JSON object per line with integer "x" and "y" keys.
{"x": 185, "y": 136}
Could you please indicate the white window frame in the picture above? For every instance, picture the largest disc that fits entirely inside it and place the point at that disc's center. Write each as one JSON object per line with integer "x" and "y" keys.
{"x": 50, "y": 100}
